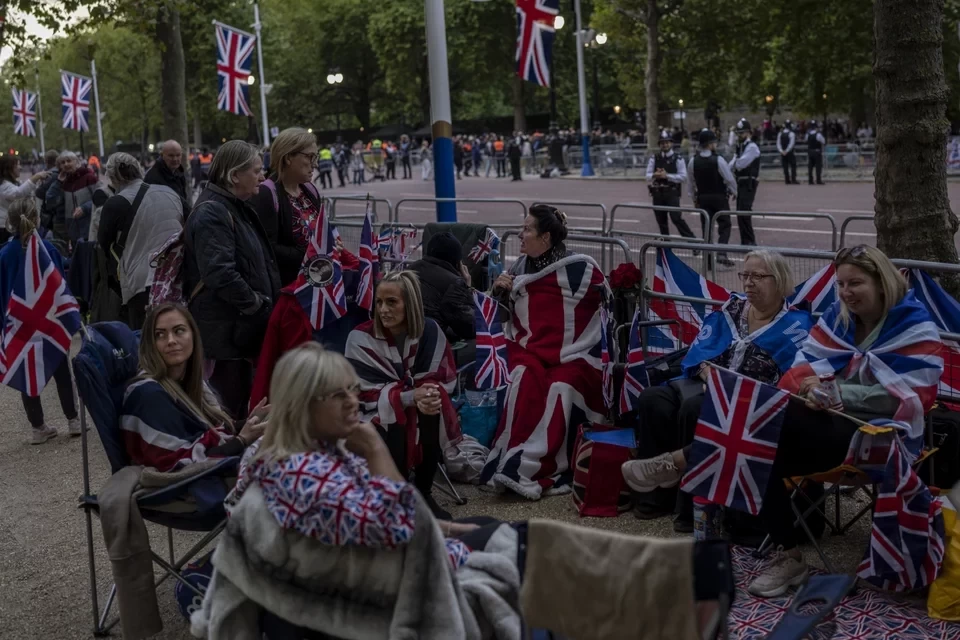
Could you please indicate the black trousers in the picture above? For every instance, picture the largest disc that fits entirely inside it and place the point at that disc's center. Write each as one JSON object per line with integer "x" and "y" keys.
{"x": 392, "y": 170}
{"x": 501, "y": 167}
{"x": 670, "y": 199}
{"x": 815, "y": 163}
{"x": 712, "y": 203}
{"x": 459, "y": 165}
{"x": 233, "y": 380}
{"x": 137, "y": 309}
{"x": 746, "y": 193}
{"x": 810, "y": 442}
{"x": 407, "y": 170}
{"x": 396, "y": 439}
{"x": 326, "y": 179}
{"x": 342, "y": 175}
{"x": 515, "y": 168}
{"x": 789, "y": 164}
{"x": 64, "y": 389}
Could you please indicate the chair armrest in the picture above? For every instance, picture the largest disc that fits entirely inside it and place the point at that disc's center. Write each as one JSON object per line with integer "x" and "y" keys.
{"x": 174, "y": 491}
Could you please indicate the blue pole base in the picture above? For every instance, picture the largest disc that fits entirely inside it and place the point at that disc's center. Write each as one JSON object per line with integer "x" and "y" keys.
{"x": 587, "y": 171}
{"x": 443, "y": 181}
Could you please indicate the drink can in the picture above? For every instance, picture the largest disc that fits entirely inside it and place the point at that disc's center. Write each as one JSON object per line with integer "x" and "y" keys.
{"x": 707, "y": 520}
{"x": 831, "y": 392}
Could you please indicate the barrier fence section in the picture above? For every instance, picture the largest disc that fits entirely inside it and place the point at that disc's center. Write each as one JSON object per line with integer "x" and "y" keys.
{"x": 357, "y": 207}
{"x": 794, "y": 216}
{"x": 636, "y": 239}
{"x": 597, "y": 247}
{"x": 563, "y": 205}
{"x": 846, "y": 223}
{"x": 508, "y": 201}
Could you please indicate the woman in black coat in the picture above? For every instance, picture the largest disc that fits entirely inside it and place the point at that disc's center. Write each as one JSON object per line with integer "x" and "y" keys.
{"x": 230, "y": 273}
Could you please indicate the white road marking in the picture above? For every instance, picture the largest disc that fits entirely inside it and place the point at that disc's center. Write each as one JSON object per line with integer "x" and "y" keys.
{"x": 858, "y": 211}
{"x": 434, "y": 209}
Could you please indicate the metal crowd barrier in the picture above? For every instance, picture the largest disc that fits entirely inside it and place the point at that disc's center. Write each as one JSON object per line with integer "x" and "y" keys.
{"x": 847, "y": 223}
{"x": 798, "y": 216}
{"x": 396, "y": 209}
{"x": 584, "y": 205}
{"x": 358, "y": 200}
{"x": 649, "y": 207}
{"x": 574, "y": 242}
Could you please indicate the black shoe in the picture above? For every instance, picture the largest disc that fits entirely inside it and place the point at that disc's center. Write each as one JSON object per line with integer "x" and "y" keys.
{"x": 649, "y": 512}
{"x": 682, "y": 525}
{"x": 725, "y": 261}
{"x": 821, "y": 182}
{"x": 436, "y": 509}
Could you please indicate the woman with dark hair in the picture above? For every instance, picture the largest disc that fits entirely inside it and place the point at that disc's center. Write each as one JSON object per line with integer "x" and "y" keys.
{"x": 170, "y": 417}
{"x": 11, "y": 188}
{"x": 553, "y": 334}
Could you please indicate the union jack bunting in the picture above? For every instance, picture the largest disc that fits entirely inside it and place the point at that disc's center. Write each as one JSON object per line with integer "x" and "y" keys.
{"x": 819, "y": 291}
{"x": 605, "y": 360}
{"x": 319, "y": 287}
{"x": 535, "y": 34}
{"x": 75, "y": 94}
{"x": 234, "y": 57}
{"x": 403, "y": 242}
{"x": 369, "y": 262}
{"x": 24, "y": 113}
{"x": 40, "y": 319}
{"x": 736, "y": 441}
{"x": 491, "y": 369}
{"x": 635, "y": 377}
{"x": 489, "y": 244}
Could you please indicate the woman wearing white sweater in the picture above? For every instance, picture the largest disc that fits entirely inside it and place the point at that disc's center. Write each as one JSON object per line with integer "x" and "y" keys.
{"x": 11, "y": 189}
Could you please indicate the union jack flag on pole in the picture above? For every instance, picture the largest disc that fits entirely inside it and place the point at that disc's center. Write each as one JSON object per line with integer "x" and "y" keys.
{"x": 736, "y": 441}
{"x": 491, "y": 369}
{"x": 535, "y": 34}
{"x": 606, "y": 363}
{"x": 39, "y": 322}
{"x": 75, "y": 95}
{"x": 489, "y": 244}
{"x": 819, "y": 291}
{"x": 635, "y": 378}
{"x": 234, "y": 59}
{"x": 369, "y": 262}
{"x": 24, "y": 113}
{"x": 319, "y": 287}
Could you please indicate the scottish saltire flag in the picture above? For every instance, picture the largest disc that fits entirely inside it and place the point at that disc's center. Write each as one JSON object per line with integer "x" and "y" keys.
{"x": 489, "y": 244}
{"x": 24, "y": 113}
{"x": 635, "y": 378}
{"x": 75, "y": 95}
{"x": 234, "y": 57}
{"x": 606, "y": 362}
{"x": 319, "y": 287}
{"x": 535, "y": 34}
{"x": 39, "y": 321}
{"x": 819, "y": 291}
{"x": 369, "y": 262}
{"x": 736, "y": 441}
{"x": 673, "y": 276}
{"x": 945, "y": 312}
{"x": 491, "y": 369}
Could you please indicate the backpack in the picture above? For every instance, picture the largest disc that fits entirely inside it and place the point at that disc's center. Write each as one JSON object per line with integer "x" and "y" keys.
{"x": 272, "y": 187}
{"x": 165, "y": 281}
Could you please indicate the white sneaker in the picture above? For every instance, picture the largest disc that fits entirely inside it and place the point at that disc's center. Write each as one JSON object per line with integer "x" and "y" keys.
{"x": 779, "y": 575}
{"x": 73, "y": 427}
{"x": 43, "y": 434}
{"x": 644, "y": 476}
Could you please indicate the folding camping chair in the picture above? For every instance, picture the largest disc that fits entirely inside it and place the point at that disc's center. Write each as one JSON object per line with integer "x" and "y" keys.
{"x": 108, "y": 358}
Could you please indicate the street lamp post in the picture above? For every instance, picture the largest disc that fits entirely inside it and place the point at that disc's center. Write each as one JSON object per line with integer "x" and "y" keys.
{"x": 558, "y": 23}
{"x": 599, "y": 40}
{"x": 681, "y": 114}
{"x": 334, "y": 80}
{"x": 587, "y": 170}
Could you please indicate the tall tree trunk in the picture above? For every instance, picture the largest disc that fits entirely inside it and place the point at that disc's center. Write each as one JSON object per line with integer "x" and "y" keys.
{"x": 913, "y": 215}
{"x": 652, "y": 72}
{"x": 197, "y": 132}
{"x": 173, "y": 87}
{"x": 519, "y": 115}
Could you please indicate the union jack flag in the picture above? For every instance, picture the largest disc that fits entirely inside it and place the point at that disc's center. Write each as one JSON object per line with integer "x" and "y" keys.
{"x": 492, "y": 371}
{"x": 606, "y": 365}
{"x": 635, "y": 377}
{"x": 234, "y": 57}
{"x": 489, "y": 244}
{"x": 535, "y": 35}
{"x": 400, "y": 242}
{"x": 945, "y": 312}
{"x": 819, "y": 291}
{"x": 369, "y": 262}
{"x": 41, "y": 317}
{"x": 323, "y": 303}
{"x": 75, "y": 94}
{"x": 24, "y": 113}
{"x": 735, "y": 441}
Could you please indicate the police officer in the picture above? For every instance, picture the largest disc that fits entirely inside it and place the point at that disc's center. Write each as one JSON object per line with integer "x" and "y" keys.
{"x": 786, "y": 142}
{"x": 815, "y": 144}
{"x": 746, "y": 168}
{"x": 666, "y": 174}
{"x": 710, "y": 186}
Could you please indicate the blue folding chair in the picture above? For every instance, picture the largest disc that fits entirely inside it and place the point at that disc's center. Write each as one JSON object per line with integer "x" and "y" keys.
{"x": 108, "y": 358}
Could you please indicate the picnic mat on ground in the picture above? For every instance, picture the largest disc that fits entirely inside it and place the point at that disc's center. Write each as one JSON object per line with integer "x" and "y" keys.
{"x": 866, "y": 615}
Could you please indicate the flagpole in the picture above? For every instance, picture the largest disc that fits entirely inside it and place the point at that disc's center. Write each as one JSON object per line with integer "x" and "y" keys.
{"x": 442, "y": 128}
{"x": 587, "y": 170}
{"x": 96, "y": 97}
{"x": 43, "y": 147}
{"x": 263, "y": 81}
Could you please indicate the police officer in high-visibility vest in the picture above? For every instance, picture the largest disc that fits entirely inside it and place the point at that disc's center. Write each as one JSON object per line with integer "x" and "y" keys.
{"x": 746, "y": 168}
{"x": 666, "y": 174}
{"x": 711, "y": 184}
{"x": 786, "y": 142}
{"x": 815, "y": 144}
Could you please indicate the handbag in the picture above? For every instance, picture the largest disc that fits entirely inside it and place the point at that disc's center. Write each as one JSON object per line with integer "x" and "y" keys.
{"x": 687, "y": 388}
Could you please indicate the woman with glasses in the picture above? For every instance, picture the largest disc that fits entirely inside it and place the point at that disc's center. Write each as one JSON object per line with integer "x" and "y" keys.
{"x": 755, "y": 333}
{"x": 288, "y": 201}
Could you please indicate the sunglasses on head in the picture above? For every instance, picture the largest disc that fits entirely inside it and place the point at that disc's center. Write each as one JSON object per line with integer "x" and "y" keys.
{"x": 850, "y": 252}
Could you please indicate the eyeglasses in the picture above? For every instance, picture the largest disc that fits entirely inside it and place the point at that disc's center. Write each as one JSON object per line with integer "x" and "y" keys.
{"x": 753, "y": 277}
{"x": 312, "y": 157}
{"x": 343, "y": 394}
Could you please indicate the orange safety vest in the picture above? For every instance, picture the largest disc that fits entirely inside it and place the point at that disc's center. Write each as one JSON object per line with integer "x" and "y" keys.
{"x": 467, "y": 147}
{"x": 94, "y": 161}
{"x": 498, "y": 145}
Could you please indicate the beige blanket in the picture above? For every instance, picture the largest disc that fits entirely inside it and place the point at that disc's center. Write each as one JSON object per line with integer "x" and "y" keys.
{"x": 587, "y": 584}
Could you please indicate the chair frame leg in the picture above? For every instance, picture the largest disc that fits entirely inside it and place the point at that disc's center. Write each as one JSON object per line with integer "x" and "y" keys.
{"x": 812, "y": 538}
{"x": 447, "y": 487}
{"x": 170, "y": 544}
